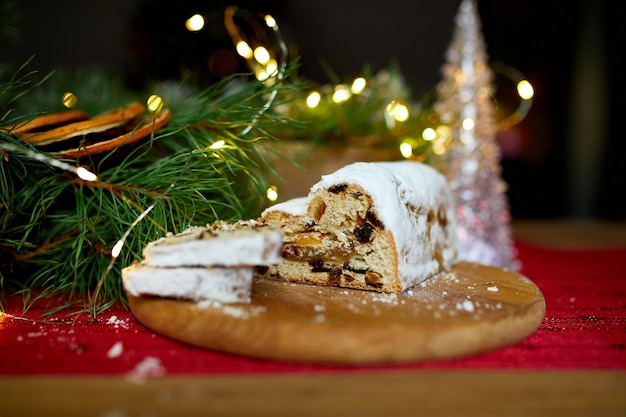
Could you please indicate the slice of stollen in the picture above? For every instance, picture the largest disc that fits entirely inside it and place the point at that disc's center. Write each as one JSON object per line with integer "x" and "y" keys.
{"x": 224, "y": 285}
{"x": 211, "y": 263}
{"x": 246, "y": 243}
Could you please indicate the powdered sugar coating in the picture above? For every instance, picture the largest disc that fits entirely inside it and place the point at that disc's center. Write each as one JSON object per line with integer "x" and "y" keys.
{"x": 387, "y": 182}
{"x": 295, "y": 207}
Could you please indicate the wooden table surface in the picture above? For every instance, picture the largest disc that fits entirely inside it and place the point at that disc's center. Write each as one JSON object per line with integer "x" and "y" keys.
{"x": 371, "y": 393}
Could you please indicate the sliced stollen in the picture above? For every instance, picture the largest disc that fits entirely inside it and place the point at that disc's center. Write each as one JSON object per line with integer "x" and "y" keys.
{"x": 211, "y": 263}
{"x": 381, "y": 226}
{"x": 244, "y": 243}
{"x": 223, "y": 285}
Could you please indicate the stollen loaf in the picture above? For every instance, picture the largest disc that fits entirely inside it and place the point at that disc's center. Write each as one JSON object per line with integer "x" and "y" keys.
{"x": 380, "y": 226}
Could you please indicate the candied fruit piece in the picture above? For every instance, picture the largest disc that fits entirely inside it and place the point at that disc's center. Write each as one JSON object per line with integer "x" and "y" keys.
{"x": 316, "y": 209}
{"x": 364, "y": 233}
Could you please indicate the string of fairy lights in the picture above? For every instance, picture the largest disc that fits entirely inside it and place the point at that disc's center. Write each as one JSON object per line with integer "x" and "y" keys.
{"x": 396, "y": 112}
{"x": 266, "y": 68}
{"x": 262, "y": 59}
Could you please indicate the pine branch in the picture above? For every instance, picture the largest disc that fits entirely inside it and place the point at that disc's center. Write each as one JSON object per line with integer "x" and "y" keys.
{"x": 57, "y": 232}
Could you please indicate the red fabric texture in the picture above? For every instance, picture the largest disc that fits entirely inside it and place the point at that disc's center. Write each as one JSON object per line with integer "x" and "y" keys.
{"x": 584, "y": 329}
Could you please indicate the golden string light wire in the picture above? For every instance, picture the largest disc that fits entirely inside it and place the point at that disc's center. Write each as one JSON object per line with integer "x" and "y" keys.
{"x": 260, "y": 58}
{"x": 525, "y": 92}
{"x": 257, "y": 61}
{"x": 117, "y": 248}
{"x": 81, "y": 172}
{"x": 155, "y": 103}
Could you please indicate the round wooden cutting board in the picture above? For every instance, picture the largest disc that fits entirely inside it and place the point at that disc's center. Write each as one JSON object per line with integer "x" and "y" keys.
{"x": 471, "y": 309}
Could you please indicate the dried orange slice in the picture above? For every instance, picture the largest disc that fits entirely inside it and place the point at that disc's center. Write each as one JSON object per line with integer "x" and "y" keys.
{"x": 47, "y": 122}
{"x": 110, "y": 119}
{"x": 94, "y": 142}
{"x": 72, "y": 134}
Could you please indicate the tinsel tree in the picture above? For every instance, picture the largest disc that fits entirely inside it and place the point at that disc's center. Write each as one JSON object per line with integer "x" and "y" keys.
{"x": 472, "y": 158}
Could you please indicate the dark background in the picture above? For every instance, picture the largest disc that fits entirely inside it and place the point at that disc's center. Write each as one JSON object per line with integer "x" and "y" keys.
{"x": 564, "y": 160}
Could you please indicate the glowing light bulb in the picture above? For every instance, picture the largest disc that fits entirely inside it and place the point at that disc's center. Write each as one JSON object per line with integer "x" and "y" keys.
{"x": 117, "y": 248}
{"x": 85, "y": 174}
{"x": 407, "y": 146}
{"x": 406, "y": 150}
{"x": 438, "y": 148}
{"x": 341, "y": 94}
{"x": 443, "y": 131}
{"x": 525, "y": 90}
{"x": 244, "y": 50}
{"x": 155, "y": 103}
{"x": 195, "y": 23}
{"x": 69, "y": 100}
{"x": 398, "y": 111}
{"x": 218, "y": 145}
{"x": 401, "y": 113}
{"x": 468, "y": 123}
{"x": 271, "y": 66}
{"x": 270, "y": 21}
{"x": 272, "y": 193}
{"x": 429, "y": 134}
{"x": 261, "y": 55}
{"x": 358, "y": 85}
{"x": 261, "y": 75}
{"x": 313, "y": 99}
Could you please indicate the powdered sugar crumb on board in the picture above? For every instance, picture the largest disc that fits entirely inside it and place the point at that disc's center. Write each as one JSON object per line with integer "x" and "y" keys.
{"x": 115, "y": 350}
{"x": 116, "y": 322}
{"x": 149, "y": 367}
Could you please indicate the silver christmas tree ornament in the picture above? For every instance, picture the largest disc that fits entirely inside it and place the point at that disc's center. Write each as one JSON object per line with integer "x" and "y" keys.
{"x": 470, "y": 156}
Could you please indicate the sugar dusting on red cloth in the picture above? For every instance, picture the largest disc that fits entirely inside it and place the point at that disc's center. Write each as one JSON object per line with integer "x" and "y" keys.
{"x": 584, "y": 329}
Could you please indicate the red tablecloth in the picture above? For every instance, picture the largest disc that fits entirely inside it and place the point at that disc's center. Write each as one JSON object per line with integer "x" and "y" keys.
{"x": 584, "y": 328}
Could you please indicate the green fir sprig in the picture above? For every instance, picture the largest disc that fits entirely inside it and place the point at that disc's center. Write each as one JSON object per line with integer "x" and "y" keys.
{"x": 362, "y": 118}
{"x": 57, "y": 231}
